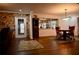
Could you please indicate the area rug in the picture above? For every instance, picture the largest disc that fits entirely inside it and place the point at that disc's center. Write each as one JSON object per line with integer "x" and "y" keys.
{"x": 29, "y": 45}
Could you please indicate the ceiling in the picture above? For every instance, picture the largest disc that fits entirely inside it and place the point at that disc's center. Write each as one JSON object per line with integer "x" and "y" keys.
{"x": 45, "y": 8}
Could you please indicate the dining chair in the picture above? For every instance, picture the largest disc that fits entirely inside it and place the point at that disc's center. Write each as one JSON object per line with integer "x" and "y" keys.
{"x": 58, "y": 36}
{"x": 71, "y": 31}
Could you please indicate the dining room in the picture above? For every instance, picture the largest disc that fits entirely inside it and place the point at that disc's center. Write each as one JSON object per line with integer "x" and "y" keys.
{"x": 41, "y": 30}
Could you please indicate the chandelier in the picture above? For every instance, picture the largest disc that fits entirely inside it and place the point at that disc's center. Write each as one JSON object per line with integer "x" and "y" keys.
{"x": 66, "y": 17}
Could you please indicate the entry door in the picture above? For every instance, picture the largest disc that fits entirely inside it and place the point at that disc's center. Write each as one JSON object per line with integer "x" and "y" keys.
{"x": 20, "y": 27}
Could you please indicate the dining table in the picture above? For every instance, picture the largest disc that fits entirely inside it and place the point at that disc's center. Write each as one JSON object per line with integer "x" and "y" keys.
{"x": 65, "y": 34}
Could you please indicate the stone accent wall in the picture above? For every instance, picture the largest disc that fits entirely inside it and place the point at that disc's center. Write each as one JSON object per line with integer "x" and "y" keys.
{"x": 6, "y": 19}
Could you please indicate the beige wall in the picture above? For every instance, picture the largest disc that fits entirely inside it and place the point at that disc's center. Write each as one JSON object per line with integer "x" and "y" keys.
{"x": 46, "y": 15}
{"x": 47, "y": 32}
{"x": 62, "y": 24}
{"x": 71, "y": 22}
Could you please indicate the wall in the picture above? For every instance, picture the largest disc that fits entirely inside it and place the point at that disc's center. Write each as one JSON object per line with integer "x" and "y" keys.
{"x": 46, "y": 15}
{"x": 46, "y": 32}
{"x": 71, "y": 22}
{"x": 6, "y": 19}
{"x": 62, "y": 24}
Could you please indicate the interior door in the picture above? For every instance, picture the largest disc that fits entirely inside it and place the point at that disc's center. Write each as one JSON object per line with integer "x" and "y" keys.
{"x": 20, "y": 27}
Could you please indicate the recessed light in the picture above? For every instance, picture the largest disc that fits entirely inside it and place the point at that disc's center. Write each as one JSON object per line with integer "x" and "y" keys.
{"x": 20, "y": 10}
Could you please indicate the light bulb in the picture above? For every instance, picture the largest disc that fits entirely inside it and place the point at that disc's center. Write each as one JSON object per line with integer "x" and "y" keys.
{"x": 20, "y": 10}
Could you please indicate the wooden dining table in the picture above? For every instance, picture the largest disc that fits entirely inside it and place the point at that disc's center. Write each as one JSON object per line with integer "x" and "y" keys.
{"x": 65, "y": 34}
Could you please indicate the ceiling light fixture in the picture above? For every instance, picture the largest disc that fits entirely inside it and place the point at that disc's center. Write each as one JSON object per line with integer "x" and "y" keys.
{"x": 20, "y": 10}
{"x": 66, "y": 17}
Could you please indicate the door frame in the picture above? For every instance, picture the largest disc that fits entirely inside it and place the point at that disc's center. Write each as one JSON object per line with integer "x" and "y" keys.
{"x": 16, "y": 27}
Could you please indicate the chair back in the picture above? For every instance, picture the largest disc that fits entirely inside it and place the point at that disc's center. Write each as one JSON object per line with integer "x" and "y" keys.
{"x": 57, "y": 30}
{"x": 71, "y": 30}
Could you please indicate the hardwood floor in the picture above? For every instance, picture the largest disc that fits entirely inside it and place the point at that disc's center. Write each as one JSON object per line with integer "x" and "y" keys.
{"x": 51, "y": 47}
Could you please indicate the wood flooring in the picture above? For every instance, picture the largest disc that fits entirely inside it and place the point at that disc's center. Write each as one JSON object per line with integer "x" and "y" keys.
{"x": 51, "y": 47}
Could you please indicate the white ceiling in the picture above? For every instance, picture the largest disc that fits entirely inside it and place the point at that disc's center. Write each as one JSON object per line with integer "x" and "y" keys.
{"x": 45, "y": 8}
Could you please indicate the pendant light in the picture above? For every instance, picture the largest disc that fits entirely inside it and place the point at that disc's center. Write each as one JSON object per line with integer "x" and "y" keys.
{"x": 66, "y": 17}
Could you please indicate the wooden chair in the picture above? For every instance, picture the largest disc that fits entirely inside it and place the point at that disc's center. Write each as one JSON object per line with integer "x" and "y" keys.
{"x": 57, "y": 30}
{"x": 58, "y": 36}
{"x": 71, "y": 31}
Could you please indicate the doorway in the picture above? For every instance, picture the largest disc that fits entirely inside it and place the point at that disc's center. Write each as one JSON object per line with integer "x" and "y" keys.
{"x": 20, "y": 27}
